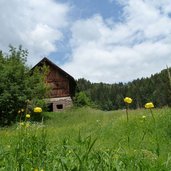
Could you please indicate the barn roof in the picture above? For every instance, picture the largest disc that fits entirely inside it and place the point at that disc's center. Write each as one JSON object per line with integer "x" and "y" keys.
{"x": 48, "y": 62}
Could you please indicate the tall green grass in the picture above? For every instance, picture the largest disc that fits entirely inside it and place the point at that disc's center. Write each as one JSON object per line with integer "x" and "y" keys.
{"x": 89, "y": 139}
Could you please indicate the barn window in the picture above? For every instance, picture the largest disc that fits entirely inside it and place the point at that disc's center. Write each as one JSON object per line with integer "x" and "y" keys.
{"x": 59, "y": 106}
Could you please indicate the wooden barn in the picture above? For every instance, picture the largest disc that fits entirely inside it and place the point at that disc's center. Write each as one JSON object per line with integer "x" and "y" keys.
{"x": 62, "y": 86}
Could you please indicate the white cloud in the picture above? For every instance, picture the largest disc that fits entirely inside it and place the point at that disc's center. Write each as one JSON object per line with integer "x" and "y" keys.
{"x": 102, "y": 49}
{"x": 136, "y": 47}
{"x": 36, "y": 24}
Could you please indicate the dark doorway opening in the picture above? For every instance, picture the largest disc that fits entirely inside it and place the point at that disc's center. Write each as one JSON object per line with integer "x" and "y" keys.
{"x": 59, "y": 106}
{"x": 50, "y": 107}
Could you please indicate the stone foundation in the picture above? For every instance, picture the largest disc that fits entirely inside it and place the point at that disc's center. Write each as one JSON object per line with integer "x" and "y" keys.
{"x": 59, "y": 104}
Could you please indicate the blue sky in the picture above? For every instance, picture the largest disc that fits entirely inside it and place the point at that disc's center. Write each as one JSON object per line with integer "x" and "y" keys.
{"x": 83, "y": 10}
{"x": 87, "y": 8}
{"x": 101, "y": 40}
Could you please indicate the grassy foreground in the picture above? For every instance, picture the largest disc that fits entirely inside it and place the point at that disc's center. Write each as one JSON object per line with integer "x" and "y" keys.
{"x": 88, "y": 139}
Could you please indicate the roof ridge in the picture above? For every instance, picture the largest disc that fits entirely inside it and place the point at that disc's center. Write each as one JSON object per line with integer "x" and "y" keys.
{"x": 45, "y": 59}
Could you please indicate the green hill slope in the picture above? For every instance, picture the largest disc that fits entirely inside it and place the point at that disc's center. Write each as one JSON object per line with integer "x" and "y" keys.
{"x": 155, "y": 88}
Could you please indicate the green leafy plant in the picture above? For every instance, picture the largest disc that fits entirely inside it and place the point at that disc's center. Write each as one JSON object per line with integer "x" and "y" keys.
{"x": 81, "y": 99}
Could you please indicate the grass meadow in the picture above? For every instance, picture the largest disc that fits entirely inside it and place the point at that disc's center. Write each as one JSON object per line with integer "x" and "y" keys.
{"x": 86, "y": 139}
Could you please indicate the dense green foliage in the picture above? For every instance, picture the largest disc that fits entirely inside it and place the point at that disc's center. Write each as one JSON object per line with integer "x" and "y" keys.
{"x": 87, "y": 139}
{"x": 81, "y": 99}
{"x": 17, "y": 84}
{"x": 157, "y": 89}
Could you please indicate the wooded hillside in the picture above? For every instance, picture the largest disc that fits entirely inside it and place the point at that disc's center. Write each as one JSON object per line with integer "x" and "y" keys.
{"x": 110, "y": 96}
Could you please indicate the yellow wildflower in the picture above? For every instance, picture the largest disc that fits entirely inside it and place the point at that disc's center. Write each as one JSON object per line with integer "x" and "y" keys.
{"x": 37, "y": 109}
{"x": 143, "y": 117}
{"x": 21, "y": 123}
{"x": 22, "y": 110}
{"x": 28, "y": 116}
{"x": 127, "y": 100}
{"x": 149, "y": 105}
{"x": 19, "y": 112}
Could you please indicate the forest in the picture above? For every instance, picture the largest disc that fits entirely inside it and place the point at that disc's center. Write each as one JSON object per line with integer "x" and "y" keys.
{"x": 156, "y": 89}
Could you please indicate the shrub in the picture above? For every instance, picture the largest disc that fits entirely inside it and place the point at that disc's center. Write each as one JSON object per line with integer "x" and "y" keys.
{"x": 17, "y": 84}
{"x": 81, "y": 99}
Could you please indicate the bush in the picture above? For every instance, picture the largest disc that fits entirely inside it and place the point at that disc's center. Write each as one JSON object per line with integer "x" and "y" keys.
{"x": 81, "y": 99}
